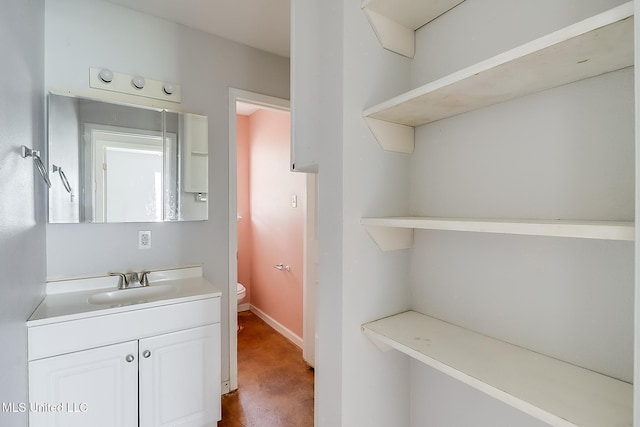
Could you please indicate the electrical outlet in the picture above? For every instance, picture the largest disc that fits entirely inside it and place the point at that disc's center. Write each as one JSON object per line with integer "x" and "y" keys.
{"x": 144, "y": 239}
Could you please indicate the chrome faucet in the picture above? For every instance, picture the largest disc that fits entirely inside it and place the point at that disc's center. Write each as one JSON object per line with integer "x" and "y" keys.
{"x": 134, "y": 279}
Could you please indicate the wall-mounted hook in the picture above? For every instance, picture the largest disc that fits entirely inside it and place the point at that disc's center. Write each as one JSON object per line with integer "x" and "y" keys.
{"x": 28, "y": 152}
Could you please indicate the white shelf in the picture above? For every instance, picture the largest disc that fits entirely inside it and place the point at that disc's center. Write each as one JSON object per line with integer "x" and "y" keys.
{"x": 393, "y": 233}
{"x": 597, "y": 45}
{"x": 394, "y": 21}
{"x": 548, "y": 389}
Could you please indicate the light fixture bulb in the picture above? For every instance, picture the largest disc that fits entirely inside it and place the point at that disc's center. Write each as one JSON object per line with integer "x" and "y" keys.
{"x": 106, "y": 75}
{"x": 138, "y": 82}
{"x": 168, "y": 88}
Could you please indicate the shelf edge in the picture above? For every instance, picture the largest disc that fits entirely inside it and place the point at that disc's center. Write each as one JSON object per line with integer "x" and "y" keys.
{"x": 494, "y": 391}
{"x": 609, "y": 17}
{"x": 598, "y": 230}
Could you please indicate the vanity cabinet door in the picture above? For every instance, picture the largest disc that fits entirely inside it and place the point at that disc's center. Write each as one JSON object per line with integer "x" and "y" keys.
{"x": 97, "y": 388}
{"x": 180, "y": 379}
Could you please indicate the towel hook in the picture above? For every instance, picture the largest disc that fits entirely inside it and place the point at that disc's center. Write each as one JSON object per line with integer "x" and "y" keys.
{"x": 28, "y": 152}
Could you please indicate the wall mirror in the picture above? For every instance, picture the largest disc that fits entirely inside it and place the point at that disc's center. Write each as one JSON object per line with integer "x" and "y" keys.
{"x": 111, "y": 162}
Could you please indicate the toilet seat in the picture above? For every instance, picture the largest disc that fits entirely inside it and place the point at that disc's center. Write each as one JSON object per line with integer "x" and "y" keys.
{"x": 242, "y": 291}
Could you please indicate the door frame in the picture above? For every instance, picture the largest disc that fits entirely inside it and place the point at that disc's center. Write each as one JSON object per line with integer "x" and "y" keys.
{"x": 309, "y": 302}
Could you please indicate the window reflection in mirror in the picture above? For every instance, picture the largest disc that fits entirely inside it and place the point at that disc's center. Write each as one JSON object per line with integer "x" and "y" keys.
{"x": 122, "y": 163}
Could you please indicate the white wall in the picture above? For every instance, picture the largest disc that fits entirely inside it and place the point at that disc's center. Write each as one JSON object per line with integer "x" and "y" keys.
{"x": 375, "y": 183}
{"x": 22, "y": 193}
{"x": 355, "y": 383}
{"x": 437, "y": 400}
{"x": 317, "y": 124}
{"x": 81, "y": 34}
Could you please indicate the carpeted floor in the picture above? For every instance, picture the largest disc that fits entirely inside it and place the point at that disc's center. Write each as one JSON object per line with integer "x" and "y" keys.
{"x": 275, "y": 385}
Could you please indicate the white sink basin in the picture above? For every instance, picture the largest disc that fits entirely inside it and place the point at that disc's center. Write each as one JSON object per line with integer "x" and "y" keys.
{"x": 131, "y": 295}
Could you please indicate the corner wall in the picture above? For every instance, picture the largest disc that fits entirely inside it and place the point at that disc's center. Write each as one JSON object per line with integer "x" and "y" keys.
{"x": 356, "y": 383}
{"x": 22, "y": 194}
{"x": 375, "y": 183}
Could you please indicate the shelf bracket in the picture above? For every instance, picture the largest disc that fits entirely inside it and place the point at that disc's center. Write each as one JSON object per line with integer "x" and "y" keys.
{"x": 382, "y": 346}
{"x": 391, "y": 35}
{"x": 392, "y": 136}
{"x": 390, "y": 238}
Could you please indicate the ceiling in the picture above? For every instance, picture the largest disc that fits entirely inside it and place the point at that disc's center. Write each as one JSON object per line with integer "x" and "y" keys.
{"x": 262, "y": 24}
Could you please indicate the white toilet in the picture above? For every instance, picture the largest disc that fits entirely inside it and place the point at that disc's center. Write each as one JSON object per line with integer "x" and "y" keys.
{"x": 242, "y": 292}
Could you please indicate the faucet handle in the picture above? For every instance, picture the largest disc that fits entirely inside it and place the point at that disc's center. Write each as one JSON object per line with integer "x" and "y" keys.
{"x": 123, "y": 282}
{"x": 144, "y": 278}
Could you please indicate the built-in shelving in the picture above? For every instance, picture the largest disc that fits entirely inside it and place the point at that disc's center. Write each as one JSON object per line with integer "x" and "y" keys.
{"x": 548, "y": 389}
{"x": 594, "y": 46}
{"x": 395, "y": 21}
{"x": 392, "y": 233}
{"x": 554, "y": 391}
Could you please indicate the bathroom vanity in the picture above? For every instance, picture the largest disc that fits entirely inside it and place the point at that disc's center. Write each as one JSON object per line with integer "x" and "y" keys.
{"x": 101, "y": 357}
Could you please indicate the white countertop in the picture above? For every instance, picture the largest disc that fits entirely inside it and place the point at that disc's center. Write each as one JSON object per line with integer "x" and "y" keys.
{"x": 65, "y": 305}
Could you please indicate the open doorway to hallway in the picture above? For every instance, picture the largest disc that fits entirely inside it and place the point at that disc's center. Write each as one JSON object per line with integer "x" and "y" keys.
{"x": 270, "y": 220}
{"x": 274, "y": 236}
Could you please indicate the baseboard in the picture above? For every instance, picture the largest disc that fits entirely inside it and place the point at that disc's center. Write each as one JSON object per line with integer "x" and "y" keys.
{"x": 281, "y": 329}
{"x": 244, "y": 307}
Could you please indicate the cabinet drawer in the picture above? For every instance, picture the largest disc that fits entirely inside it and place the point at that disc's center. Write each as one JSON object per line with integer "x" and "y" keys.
{"x": 65, "y": 337}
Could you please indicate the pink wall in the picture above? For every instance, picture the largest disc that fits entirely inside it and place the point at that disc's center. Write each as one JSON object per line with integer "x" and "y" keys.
{"x": 276, "y": 228}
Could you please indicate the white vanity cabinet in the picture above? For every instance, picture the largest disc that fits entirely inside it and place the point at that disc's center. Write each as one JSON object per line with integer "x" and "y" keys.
{"x": 97, "y": 387}
{"x": 152, "y": 364}
{"x": 180, "y": 378}
{"x": 172, "y": 376}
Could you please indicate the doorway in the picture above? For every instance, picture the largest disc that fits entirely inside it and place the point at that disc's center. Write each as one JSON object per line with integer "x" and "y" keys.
{"x": 120, "y": 155}
{"x": 306, "y": 203}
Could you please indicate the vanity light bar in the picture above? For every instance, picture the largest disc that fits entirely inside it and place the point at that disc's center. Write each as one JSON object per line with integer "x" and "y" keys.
{"x": 101, "y": 78}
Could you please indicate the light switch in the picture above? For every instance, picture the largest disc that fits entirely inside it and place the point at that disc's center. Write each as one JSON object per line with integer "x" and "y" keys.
{"x": 294, "y": 201}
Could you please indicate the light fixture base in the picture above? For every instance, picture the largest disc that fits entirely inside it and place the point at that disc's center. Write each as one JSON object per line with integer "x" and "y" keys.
{"x": 121, "y": 83}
